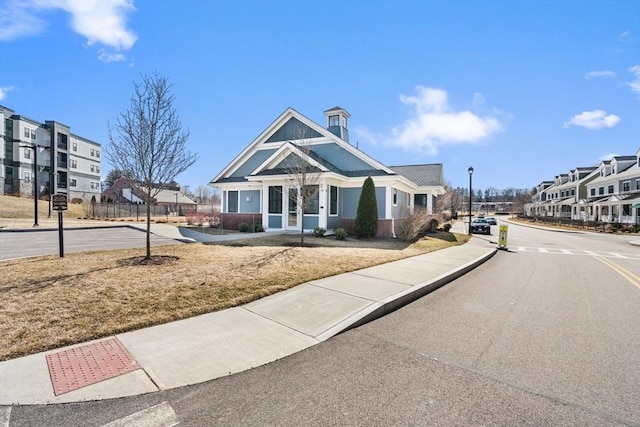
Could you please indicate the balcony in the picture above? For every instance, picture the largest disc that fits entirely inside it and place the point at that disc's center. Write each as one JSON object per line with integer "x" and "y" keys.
{"x": 62, "y": 184}
{"x": 63, "y": 145}
{"x": 62, "y": 164}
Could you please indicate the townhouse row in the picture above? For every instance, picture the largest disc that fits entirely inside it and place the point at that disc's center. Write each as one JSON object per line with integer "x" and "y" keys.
{"x": 608, "y": 192}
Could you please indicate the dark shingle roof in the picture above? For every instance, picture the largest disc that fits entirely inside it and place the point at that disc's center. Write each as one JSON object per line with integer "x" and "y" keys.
{"x": 421, "y": 175}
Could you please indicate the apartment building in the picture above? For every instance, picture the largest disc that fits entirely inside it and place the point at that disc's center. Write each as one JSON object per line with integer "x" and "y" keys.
{"x": 46, "y": 157}
{"x": 608, "y": 192}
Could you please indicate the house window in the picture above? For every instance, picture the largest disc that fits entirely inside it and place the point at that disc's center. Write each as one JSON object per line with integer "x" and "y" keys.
{"x": 637, "y": 184}
{"x": 334, "y": 120}
{"x": 75, "y": 146}
{"x": 395, "y": 197}
{"x": 333, "y": 200}
{"x": 27, "y": 176}
{"x": 72, "y": 182}
{"x": 610, "y": 189}
{"x": 27, "y": 153}
{"x": 593, "y": 192}
{"x": 98, "y": 153}
{"x": 626, "y": 210}
{"x": 97, "y": 169}
{"x": 93, "y": 168}
{"x": 93, "y": 152}
{"x": 408, "y": 200}
{"x": 232, "y": 201}
{"x": 600, "y": 191}
{"x": 73, "y": 163}
{"x": 626, "y": 186}
{"x": 27, "y": 133}
{"x": 313, "y": 204}
{"x": 33, "y": 134}
{"x": 275, "y": 199}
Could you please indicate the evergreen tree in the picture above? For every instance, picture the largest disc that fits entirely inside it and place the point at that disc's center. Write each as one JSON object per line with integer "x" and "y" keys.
{"x": 367, "y": 215}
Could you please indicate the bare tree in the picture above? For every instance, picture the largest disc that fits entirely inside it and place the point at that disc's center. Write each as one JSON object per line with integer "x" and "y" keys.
{"x": 149, "y": 141}
{"x": 203, "y": 194}
{"x": 303, "y": 176}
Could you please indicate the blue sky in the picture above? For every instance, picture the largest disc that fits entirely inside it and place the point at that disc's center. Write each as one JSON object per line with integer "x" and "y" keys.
{"x": 520, "y": 90}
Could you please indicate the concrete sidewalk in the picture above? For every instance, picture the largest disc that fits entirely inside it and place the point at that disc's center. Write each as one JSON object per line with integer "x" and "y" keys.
{"x": 213, "y": 345}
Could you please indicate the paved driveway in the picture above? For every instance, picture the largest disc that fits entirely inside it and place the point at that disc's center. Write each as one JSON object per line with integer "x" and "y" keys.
{"x": 21, "y": 244}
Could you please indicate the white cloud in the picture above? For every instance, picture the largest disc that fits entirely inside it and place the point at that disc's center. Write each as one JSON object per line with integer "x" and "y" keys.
{"x": 17, "y": 20}
{"x": 602, "y": 73}
{"x": 593, "y": 120}
{"x": 635, "y": 84}
{"x": 3, "y": 91}
{"x": 111, "y": 57}
{"x": 99, "y": 21}
{"x": 435, "y": 123}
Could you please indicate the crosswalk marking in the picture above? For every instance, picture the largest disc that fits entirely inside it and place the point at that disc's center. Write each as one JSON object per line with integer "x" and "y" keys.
{"x": 558, "y": 251}
{"x": 161, "y": 415}
{"x": 5, "y": 414}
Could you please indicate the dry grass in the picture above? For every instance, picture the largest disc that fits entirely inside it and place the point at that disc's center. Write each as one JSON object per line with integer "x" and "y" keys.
{"x": 49, "y": 302}
{"x": 22, "y": 207}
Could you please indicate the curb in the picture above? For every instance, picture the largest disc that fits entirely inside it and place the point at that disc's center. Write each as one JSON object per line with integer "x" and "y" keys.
{"x": 394, "y": 302}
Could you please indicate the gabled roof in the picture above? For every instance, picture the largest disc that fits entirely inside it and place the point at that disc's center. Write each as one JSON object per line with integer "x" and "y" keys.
{"x": 326, "y": 148}
{"x": 422, "y": 175}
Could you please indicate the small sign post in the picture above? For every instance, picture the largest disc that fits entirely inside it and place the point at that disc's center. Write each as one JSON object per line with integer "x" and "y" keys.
{"x": 502, "y": 237}
{"x": 59, "y": 202}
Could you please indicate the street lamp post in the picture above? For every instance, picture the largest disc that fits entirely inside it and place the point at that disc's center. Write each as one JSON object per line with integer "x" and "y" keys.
{"x": 470, "y": 170}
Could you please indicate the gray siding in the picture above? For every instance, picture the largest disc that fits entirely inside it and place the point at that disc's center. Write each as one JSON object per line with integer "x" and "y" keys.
{"x": 275, "y": 221}
{"x": 350, "y": 197}
{"x": 333, "y": 222}
{"x": 253, "y": 162}
{"x": 251, "y": 206}
{"x": 310, "y": 222}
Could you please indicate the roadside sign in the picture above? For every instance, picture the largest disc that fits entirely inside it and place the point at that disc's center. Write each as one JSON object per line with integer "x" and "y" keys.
{"x": 59, "y": 202}
{"x": 502, "y": 237}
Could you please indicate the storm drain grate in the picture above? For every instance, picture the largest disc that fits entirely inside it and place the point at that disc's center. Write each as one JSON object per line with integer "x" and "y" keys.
{"x": 88, "y": 364}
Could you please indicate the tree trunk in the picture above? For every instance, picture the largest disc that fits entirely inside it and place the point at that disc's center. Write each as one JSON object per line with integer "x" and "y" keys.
{"x": 148, "y": 255}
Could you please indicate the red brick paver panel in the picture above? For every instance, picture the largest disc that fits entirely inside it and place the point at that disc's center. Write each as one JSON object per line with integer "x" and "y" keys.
{"x": 88, "y": 364}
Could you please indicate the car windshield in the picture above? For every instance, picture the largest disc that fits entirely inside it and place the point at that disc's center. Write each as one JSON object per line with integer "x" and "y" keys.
{"x": 480, "y": 220}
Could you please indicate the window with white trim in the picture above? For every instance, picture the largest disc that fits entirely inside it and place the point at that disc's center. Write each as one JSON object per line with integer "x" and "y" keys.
{"x": 610, "y": 189}
{"x": 27, "y": 153}
{"x": 232, "y": 201}
{"x": 72, "y": 182}
{"x": 626, "y": 186}
{"x": 333, "y": 200}
{"x": 27, "y": 176}
{"x": 395, "y": 197}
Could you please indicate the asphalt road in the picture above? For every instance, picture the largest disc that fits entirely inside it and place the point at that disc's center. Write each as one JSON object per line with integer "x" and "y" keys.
{"x": 21, "y": 244}
{"x": 543, "y": 334}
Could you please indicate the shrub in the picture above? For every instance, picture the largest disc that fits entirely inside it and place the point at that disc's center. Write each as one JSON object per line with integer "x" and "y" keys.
{"x": 340, "y": 233}
{"x": 366, "y": 224}
{"x": 195, "y": 218}
{"x": 243, "y": 227}
{"x": 446, "y": 227}
{"x": 257, "y": 227}
{"x": 319, "y": 232}
{"x": 433, "y": 225}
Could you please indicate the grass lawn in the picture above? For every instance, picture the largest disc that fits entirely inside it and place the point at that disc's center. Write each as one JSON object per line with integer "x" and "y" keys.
{"x": 49, "y": 302}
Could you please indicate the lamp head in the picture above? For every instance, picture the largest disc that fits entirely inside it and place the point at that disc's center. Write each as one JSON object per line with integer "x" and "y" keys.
{"x": 470, "y": 170}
